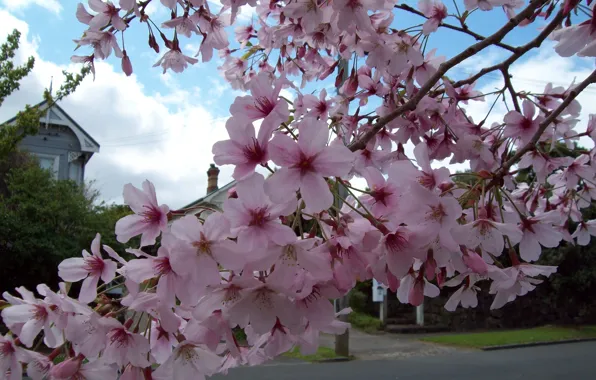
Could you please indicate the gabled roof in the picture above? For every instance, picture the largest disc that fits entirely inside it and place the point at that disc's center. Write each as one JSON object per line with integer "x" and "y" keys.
{"x": 60, "y": 117}
{"x": 207, "y": 198}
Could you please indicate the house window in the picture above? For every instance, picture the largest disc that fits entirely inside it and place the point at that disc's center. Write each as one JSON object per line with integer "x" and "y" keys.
{"x": 49, "y": 162}
{"x": 74, "y": 171}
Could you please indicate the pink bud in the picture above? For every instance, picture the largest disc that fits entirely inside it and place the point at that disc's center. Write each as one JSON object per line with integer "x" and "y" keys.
{"x": 475, "y": 262}
{"x": 430, "y": 268}
{"x": 66, "y": 369}
{"x": 392, "y": 281}
{"x": 126, "y": 65}
{"x": 416, "y": 296}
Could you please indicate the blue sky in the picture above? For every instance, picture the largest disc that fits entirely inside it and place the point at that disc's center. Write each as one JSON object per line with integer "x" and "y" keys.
{"x": 161, "y": 127}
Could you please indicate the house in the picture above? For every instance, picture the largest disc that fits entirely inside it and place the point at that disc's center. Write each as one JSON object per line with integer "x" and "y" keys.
{"x": 61, "y": 145}
{"x": 214, "y": 197}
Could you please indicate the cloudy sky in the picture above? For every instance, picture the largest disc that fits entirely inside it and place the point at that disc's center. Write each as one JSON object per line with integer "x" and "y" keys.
{"x": 161, "y": 127}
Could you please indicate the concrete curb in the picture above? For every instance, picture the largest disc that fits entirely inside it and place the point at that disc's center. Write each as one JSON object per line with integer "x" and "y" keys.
{"x": 335, "y": 360}
{"x": 536, "y": 344}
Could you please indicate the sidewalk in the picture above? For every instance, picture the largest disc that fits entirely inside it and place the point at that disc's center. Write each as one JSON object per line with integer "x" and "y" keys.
{"x": 387, "y": 346}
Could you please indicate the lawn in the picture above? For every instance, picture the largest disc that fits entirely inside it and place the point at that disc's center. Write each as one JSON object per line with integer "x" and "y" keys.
{"x": 321, "y": 354}
{"x": 499, "y": 338}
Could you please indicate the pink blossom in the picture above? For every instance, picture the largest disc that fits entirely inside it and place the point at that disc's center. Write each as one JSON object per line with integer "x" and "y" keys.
{"x": 575, "y": 39}
{"x": 10, "y": 357}
{"x": 435, "y": 11}
{"x": 486, "y": 234}
{"x": 484, "y": 5}
{"x": 435, "y": 215}
{"x": 584, "y": 232}
{"x": 242, "y": 149}
{"x": 399, "y": 249}
{"x": 522, "y": 126}
{"x": 312, "y": 14}
{"x": 414, "y": 287}
{"x": 263, "y": 103}
{"x": 542, "y": 164}
{"x": 124, "y": 347}
{"x": 88, "y": 333}
{"x": 235, "y": 6}
{"x": 38, "y": 365}
{"x": 75, "y": 369}
{"x": 90, "y": 269}
{"x": 352, "y": 15}
{"x": 184, "y": 25}
{"x": 83, "y": 16}
{"x": 161, "y": 343}
{"x": 538, "y": 231}
{"x": 262, "y": 307}
{"x": 170, "y": 283}
{"x": 106, "y": 13}
{"x": 188, "y": 361}
{"x": 175, "y": 60}
{"x": 516, "y": 281}
{"x": 305, "y": 164}
{"x": 213, "y": 28}
{"x": 384, "y": 197}
{"x": 33, "y": 315}
{"x": 290, "y": 259}
{"x": 402, "y": 172}
{"x": 570, "y": 176}
{"x": 319, "y": 107}
{"x": 203, "y": 246}
{"x": 255, "y": 219}
{"x": 102, "y": 43}
{"x": 465, "y": 294}
{"x": 149, "y": 218}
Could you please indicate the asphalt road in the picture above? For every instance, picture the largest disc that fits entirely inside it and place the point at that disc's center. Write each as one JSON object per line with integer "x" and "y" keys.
{"x": 575, "y": 361}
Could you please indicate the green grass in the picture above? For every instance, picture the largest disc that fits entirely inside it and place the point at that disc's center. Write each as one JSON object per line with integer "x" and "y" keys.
{"x": 498, "y": 338}
{"x": 364, "y": 322}
{"x": 321, "y": 354}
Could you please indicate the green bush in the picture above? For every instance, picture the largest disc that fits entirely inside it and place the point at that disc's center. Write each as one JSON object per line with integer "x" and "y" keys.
{"x": 365, "y": 322}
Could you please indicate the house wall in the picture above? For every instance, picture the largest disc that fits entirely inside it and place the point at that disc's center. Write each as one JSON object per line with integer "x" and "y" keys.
{"x": 56, "y": 142}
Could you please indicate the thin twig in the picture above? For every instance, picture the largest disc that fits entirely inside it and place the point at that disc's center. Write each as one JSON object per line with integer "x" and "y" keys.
{"x": 477, "y": 36}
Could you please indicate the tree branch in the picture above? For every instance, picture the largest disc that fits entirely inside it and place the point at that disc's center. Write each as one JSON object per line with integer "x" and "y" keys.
{"x": 509, "y": 85}
{"x": 519, "y": 51}
{"x": 443, "y": 68}
{"x": 477, "y": 36}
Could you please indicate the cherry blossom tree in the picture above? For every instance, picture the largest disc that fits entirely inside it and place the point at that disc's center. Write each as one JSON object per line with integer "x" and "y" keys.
{"x": 297, "y": 231}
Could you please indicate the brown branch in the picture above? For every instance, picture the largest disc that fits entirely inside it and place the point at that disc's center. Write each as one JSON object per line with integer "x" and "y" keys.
{"x": 443, "y": 68}
{"x": 467, "y": 31}
{"x": 542, "y": 127}
{"x": 509, "y": 85}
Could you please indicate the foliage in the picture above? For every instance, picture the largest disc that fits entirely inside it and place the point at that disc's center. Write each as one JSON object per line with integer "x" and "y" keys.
{"x": 43, "y": 221}
{"x": 500, "y": 338}
{"x": 365, "y": 322}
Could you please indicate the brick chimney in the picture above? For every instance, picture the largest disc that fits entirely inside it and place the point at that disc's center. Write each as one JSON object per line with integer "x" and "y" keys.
{"x": 212, "y": 175}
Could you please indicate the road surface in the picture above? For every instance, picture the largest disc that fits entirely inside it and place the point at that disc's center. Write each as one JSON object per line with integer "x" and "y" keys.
{"x": 575, "y": 361}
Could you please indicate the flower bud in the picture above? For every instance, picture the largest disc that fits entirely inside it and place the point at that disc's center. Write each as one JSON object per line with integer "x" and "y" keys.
{"x": 67, "y": 369}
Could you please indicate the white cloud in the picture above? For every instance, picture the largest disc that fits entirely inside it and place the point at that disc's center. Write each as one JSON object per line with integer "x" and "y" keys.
{"x": 142, "y": 135}
{"x": 20, "y": 5}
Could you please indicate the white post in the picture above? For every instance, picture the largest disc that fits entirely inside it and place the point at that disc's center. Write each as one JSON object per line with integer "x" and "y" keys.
{"x": 420, "y": 314}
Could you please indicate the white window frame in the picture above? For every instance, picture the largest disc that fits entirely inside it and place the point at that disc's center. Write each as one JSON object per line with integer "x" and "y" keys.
{"x": 56, "y": 159}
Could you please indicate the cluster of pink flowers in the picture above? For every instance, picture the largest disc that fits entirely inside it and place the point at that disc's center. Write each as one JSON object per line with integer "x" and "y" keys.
{"x": 288, "y": 243}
